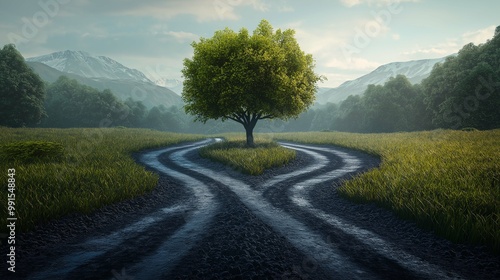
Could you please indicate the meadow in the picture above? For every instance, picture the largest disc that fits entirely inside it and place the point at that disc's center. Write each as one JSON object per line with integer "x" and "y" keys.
{"x": 446, "y": 181}
{"x": 233, "y": 152}
{"x": 93, "y": 167}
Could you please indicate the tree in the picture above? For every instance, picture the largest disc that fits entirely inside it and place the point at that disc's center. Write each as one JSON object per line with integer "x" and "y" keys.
{"x": 464, "y": 91}
{"x": 161, "y": 118}
{"x": 352, "y": 114}
{"x": 390, "y": 107}
{"x": 71, "y": 104}
{"x": 136, "y": 113}
{"x": 21, "y": 90}
{"x": 248, "y": 78}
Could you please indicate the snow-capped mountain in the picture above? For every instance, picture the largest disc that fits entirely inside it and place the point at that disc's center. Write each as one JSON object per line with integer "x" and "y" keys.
{"x": 89, "y": 66}
{"x": 148, "y": 93}
{"x": 415, "y": 71}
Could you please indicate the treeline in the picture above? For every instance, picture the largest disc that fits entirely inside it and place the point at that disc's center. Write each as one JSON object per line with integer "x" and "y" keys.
{"x": 395, "y": 106}
{"x": 68, "y": 103}
{"x": 463, "y": 92}
{"x": 71, "y": 104}
{"x": 26, "y": 101}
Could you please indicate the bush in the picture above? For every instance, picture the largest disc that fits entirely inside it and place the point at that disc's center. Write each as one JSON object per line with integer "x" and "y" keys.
{"x": 32, "y": 152}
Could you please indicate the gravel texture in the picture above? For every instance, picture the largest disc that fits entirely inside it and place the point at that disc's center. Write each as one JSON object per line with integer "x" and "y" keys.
{"x": 238, "y": 245}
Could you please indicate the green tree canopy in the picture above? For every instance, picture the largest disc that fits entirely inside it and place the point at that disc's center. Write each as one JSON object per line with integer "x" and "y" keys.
{"x": 464, "y": 91}
{"x": 71, "y": 104}
{"x": 390, "y": 107}
{"x": 248, "y": 78}
{"x": 21, "y": 90}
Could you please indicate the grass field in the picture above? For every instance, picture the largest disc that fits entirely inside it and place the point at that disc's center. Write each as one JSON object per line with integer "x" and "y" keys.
{"x": 94, "y": 169}
{"x": 446, "y": 181}
{"x": 266, "y": 154}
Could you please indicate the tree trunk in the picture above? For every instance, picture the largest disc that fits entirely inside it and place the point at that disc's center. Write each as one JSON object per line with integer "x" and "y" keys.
{"x": 249, "y": 130}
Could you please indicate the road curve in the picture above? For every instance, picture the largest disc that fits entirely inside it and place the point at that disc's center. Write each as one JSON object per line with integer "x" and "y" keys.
{"x": 289, "y": 223}
{"x": 299, "y": 196}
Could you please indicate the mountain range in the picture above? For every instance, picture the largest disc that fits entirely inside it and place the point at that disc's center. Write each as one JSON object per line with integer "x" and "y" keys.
{"x": 103, "y": 73}
{"x": 415, "y": 71}
{"x": 89, "y": 66}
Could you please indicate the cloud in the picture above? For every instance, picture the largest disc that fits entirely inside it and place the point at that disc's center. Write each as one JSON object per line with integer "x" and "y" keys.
{"x": 438, "y": 51}
{"x": 325, "y": 44}
{"x": 356, "y": 63}
{"x": 202, "y": 10}
{"x": 286, "y": 9}
{"x": 182, "y": 36}
{"x": 453, "y": 45}
{"x": 352, "y": 3}
{"x": 91, "y": 31}
{"x": 162, "y": 32}
{"x": 479, "y": 36}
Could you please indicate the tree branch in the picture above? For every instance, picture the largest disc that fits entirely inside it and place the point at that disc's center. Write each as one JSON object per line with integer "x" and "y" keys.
{"x": 235, "y": 119}
{"x": 246, "y": 117}
{"x": 270, "y": 116}
{"x": 255, "y": 117}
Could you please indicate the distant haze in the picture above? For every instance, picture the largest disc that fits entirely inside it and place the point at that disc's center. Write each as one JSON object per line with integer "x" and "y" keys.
{"x": 104, "y": 72}
{"x": 415, "y": 71}
{"x": 347, "y": 38}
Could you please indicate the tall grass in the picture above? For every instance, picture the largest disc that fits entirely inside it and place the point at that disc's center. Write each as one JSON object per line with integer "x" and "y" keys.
{"x": 446, "y": 181}
{"x": 96, "y": 169}
{"x": 266, "y": 154}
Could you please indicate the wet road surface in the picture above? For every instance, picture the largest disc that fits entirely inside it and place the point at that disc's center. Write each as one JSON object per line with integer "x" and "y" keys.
{"x": 219, "y": 224}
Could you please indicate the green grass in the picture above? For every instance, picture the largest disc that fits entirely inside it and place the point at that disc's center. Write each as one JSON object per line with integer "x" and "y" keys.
{"x": 266, "y": 154}
{"x": 93, "y": 168}
{"x": 446, "y": 181}
{"x": 31, "y": 151}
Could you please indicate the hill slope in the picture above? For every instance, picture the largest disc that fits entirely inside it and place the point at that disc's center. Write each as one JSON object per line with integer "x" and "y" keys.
{"x": 415, "y": 71}
{"x": 147, "y": 92}
{"x": 89, "y": 66}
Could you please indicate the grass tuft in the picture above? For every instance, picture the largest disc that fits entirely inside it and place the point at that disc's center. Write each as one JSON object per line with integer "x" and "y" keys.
{"x": 249, "y": 160}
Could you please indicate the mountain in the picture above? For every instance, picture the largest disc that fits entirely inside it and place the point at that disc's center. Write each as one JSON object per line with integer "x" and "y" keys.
{"x": 89, "y": 66}
{"x": 150, "y": 94}
{"x": 172, "y": 84}
{"x": 415, "y": 71}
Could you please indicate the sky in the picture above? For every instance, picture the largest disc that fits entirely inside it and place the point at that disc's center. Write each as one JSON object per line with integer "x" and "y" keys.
{"x": 347, "y": 38}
